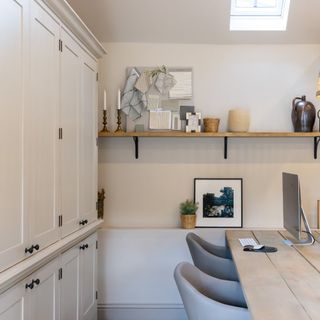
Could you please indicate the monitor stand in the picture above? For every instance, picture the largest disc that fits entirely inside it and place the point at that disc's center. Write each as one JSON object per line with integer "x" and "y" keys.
{"x": 310, "y": 239}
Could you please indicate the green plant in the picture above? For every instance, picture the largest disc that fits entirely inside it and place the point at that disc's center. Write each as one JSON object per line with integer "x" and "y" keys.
{"x": 188, "y": 207}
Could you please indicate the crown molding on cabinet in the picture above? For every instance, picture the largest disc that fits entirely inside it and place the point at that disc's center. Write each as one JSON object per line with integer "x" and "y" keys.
{"x": 70, "y": 18}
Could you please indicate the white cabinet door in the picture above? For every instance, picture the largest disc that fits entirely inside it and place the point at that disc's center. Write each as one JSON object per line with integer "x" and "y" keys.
{"x": 88, "y": 135}
{"x": 43, "y": 299}
{"x": 88, "y": 278}
{"x": 13, "y": 63}
{"x": 41, "y": 128}
{"x": 69, "y": 122}
{"x": 69, "y": 284}
{"x": 13, "y": 303}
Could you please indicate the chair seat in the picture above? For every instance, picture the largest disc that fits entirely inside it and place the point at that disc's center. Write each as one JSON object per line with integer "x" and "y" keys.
{"x": 209, "y": 298}
{"x": 209, "y": 263}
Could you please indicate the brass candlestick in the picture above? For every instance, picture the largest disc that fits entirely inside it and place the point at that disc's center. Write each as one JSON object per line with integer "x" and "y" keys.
{"x": 104, "y": 122}
{"x": 119, "y": 129}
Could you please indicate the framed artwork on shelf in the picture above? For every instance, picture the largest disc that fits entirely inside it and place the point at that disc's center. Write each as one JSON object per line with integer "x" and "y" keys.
{"x": 193, "y": 122}
{"x": 220, "y": 202}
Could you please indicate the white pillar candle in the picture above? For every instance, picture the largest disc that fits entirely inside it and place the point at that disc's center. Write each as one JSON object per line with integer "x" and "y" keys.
{"x": 119, "y": 99}
{"x": 104, "y": 100}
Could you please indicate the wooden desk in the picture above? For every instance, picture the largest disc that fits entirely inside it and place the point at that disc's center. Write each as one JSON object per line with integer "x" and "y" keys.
{"x": 281, "y": 285}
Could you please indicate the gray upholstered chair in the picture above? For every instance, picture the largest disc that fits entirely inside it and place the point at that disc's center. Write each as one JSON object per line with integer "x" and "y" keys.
{"x": 220, "y": 251}
{"x": 209, "y": 298}
{"x": 209, "y": 263}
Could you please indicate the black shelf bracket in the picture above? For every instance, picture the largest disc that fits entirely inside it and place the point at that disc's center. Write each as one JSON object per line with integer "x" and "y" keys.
{"x": 136, "y": 146}
{"x": 316, "y": 141}
{"x": 225, "y": 147}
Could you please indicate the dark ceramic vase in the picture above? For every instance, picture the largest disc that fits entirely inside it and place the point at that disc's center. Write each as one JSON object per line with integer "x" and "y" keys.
{"x": 303, "y": 115}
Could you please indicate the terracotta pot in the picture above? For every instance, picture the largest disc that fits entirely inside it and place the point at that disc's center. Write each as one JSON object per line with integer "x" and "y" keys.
{"x": 188, "y": 221}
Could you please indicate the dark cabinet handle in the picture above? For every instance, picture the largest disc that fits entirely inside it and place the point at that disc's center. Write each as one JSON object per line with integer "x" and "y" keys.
{"x": 30, "y": 250}
{"x": 84, "y": 247}
{"x": 83, "y": 222}
{"x": 33, "y": 282}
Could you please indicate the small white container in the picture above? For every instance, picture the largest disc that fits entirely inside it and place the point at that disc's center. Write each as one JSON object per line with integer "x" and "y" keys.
{"x": 239, "y": 120}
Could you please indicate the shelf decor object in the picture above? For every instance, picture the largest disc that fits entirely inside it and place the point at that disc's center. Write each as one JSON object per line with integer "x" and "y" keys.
{"x": 100, "y": 205}
{"x": 224, "y": 135}
{"x": 119, "y": 128}
{"x": 220, "y": 202}
{"x": 211, "y": 124}
{"x": 193, "y": 122}
{"x": 303, "y": 115}
{"x": 238, "y": 120}
{"x": 104, "y": 122}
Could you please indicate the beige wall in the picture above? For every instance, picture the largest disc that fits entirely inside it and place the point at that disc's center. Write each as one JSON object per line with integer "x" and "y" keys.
{"x": 265, "y": 79}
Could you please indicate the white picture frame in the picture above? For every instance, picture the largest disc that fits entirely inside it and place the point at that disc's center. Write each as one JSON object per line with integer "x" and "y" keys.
{"x": 193, "y": 122}
{"x": 219, "y": 202}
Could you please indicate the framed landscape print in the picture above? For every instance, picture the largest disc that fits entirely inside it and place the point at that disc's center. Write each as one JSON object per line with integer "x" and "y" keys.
{"x": 220, "y": 202}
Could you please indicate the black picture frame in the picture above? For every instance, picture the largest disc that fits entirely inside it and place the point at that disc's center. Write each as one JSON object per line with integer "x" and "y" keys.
{"x": 220, "y": 202}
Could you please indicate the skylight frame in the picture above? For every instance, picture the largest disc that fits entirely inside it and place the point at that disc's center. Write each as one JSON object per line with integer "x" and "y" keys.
{"x": 244, "y": 21}
{"x": 257, "y": 11}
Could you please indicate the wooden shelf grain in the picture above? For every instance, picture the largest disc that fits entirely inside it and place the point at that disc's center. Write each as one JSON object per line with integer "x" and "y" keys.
{"x": 177, "y": 134}
{"x": 225, "y": 135}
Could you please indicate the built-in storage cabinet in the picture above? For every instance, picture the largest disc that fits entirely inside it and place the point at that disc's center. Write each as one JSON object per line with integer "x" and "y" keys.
{"x": 79, "y": 281}
{"x": 41, "y": 129}
{"x": 64, "y": 289}
{"x": 34, "y": 298}
{"x": 69, "y": 122}
{"x": 13, "y": 56}
{"x": 13, "y": 303}
{"x": 43, "y": 295}
{"x": 48, "y": 161}
{"x": 88, "y": 278}
{"x": 88, "y": 140}
{"x": 70, "y": 284}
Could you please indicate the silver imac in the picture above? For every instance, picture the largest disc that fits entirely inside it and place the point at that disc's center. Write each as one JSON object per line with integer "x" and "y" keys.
{"x": 293, "y": 213}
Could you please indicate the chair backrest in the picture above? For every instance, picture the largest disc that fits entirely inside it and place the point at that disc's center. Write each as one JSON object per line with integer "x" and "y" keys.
{"x": 211, "y": 264}
{"x": 220, "y": 251}
{"x": 207, "y": 298}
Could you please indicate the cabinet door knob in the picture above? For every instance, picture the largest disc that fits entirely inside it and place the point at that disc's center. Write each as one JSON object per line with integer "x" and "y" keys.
{"x": 30, "y": 250}
{"x": 37, "y": 247}
{"x": 30, "y": 285}
{"x": 86, "y": 246}
{"x": 82, "y": 247}
{"x": 83, "y": 222}
{"x": 37, "y": 281}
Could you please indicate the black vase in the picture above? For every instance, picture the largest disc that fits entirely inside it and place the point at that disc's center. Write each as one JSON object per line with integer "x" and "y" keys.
{"x": 303, "y": 115}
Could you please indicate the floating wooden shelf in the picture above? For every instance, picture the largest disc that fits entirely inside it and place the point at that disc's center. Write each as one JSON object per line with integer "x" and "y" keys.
{"x": 225, "y": 135}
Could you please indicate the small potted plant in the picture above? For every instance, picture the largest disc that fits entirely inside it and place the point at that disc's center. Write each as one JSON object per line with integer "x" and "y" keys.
{"x": 188, "y": 211}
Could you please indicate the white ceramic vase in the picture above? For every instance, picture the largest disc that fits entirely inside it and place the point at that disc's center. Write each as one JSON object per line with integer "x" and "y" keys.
{"x": 239, "y": 120}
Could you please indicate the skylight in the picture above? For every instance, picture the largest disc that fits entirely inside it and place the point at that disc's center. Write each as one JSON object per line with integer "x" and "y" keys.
{"x": 259, "y": 15}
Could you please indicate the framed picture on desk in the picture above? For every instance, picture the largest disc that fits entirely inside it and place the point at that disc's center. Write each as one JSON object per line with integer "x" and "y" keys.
{"x": 220, "y": 202}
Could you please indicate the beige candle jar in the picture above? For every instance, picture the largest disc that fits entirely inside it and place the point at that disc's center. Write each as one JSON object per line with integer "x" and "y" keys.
{"x": 238, "y": 120}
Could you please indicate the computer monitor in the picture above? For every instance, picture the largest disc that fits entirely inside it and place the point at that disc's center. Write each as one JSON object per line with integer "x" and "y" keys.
{"x": 293, "y": 213}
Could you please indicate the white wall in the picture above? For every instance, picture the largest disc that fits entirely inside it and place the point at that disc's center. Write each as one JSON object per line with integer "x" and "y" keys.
{"x": 265, "y": 79}
{"x": 145, "y": 193}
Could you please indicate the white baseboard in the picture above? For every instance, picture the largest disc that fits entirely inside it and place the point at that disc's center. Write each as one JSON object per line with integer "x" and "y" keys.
{"x": 141, "y": 312}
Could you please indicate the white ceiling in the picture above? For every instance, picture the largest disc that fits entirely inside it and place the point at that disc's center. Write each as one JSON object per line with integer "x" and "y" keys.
{"x": 189, "y": 21}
